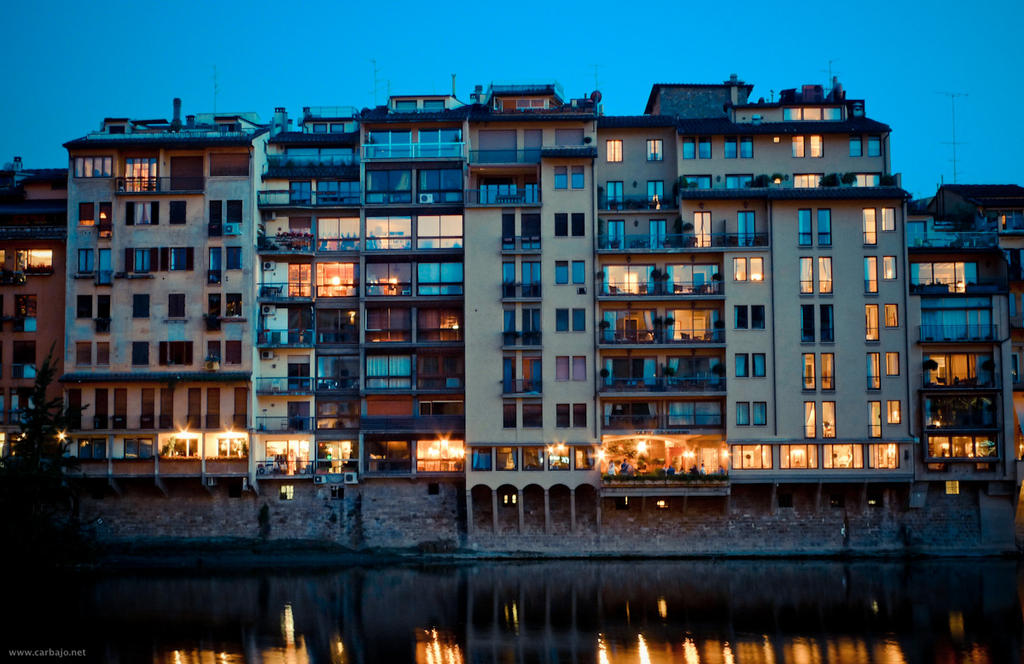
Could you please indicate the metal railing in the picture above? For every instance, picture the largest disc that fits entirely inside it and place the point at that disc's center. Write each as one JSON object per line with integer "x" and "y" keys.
{"x": 517, "y": 338}
{"x": 520, "y": 243}
{"x": 289, "y": 337}
{"x": 388, "y": 243}
{"x": 669, "y": 335}
{"x": 932, "y": 380}
{"x": 389, "y": 289}
{"x": 338, "y": 244}
{"x": 390, "y": 335}
{"x": 635, "y": 202}
{"x": 304, "y": 161}
{"x": 388, "y": 466}
{"x": 659, "y": 287}
{"x": 451, "y": 150}
{"x": 156, "y": 185}
{"x": 284, "y": 423}
{"x": 280, "y": 291}
{"x": 440, "y": 334}
{"x": 284, "y": 385}
{"x": 953, "y": 240}
{"x": 530, "y": 290}
{"x": 664, "y": 384}
{"x": 987, "y": 286}
{"x": 504, "y": 197}
{"x": 282, "y": 466}
{"x": 657, "y": 242}
{"x": 662, "y": 421}
{"x": 958, "y": 333}
{"x": 286, "y": 243}
{"x": 349, "y": 336}
{"x": 417, "y": 423}
{"x": 521, "y": 386}
{"x": 337, "y": 383}
{"x": 505, "y": 156}
{"x": 285, "y": 198}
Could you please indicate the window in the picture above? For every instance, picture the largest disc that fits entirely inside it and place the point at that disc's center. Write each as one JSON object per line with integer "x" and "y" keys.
{"x": 654, "y": 149}
{"x": 339, "y": 279}
{"x": 874, "y": 419}
{"x": 869, "y": 226}
{"x": 533, "y": 457}
{"x": 892, "y": 317}
{"x": 856, "y": 146}
{"x": 740, "y": 317}
{"x": 93, "y": 167}
{"x": 803, "y": 228}
{"x": 742, "y": 365}
{"x": 508, "y": 417}
{"x": 760, "y": 413}
{"x": 809, "y": 380}
{"x": 229, "y": 164}
{"x": 579, "y": 274}
{"x": 757, "y": 269}
{"x": 84, "y": 307}
{"x": 561, "y": 272}
{"x": 873, "y": 371}
{"x": 438, "y": 278}
{"x": 825, "y": 228}
{"x": 577, "y": 177}
{"x": 827, "y": 324}
{"x": 384, "y": 233}
{"x": 747, "y": 269}
{"x": 742, "y": 413}
{"x": 806, "y": 180}
{"x": 102, "y": 353}
{"x": 746, "y": 147}
{"x": 758, "y": 366}
{"x": 141, "y": 214}
{"x": 689, "y": 148}
{"x": 874, "y": 146}
{"x": 810, "y": 420}
{"x": 870, "y": 274}
{"x": 798, "y": 144}
{"x": 893, "y": 410}
{"x": 806, "y": 275}
{"x": 83, "y": 353}
{"x": 584, "y": 458}
{"x": 144, "y": 260}
{"x": 704, "y": 147}
{"x": 843, "y": 456}
{"x": 561, "y": 320}
{"x": 797, "y": 456}
{"x": 533, "y": 417}
{"x": 825, "y": 274}
{"x": 885, "y": 455}
{"x": 561, "y": 177}
{"x": 388, "y": 186}
{"x": 752, "y": 457}
{"x": 175, "y": 352}
{"x": 655, "y": 192}
{"x": 176, "y": 305}
{"x": 34, "y": 261}
{"x": 436, "y": 231}
{"x": 892, "y": 364}
{"x": 888, "y": 268}
{"x": 827, "y": 371}
{"x": 731, "y": 147}
{"x": 140, "y": 353}
{"x": 871, "y": 322}
{"x": 757, "y": 317}
{"x": 738, "y": 181}
{"x": 388, "y": 371}
{"x": 739, "y": 269}
{"x": 177, "y": 212}
{"x": 481, "y": 459}
{"x": 140, "y": 305}
{"x": 233, "y": 305}
{"x": 182, "y": 258}
{"x": 888, "y": 220}
{"x": 828, "y": 419}
{"x": 86, "y": 214}
{"x": 579, "y": 320}
{"x": 807, "y": 323}
{"x": 233, "y": 258}
{"x": 816, "y": 146}
{"x": 613, "y": 150}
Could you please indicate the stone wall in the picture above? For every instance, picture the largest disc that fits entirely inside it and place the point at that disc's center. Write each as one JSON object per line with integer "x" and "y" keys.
{"x": 431, "y": 516}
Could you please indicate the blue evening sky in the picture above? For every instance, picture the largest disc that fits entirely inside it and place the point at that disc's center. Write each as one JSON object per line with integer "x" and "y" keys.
{"x": 69, "y": 64}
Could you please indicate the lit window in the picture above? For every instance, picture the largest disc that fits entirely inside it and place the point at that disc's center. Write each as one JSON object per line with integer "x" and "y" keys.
{"x": 613, "y": 150}
{"x": 892, "y": 364}
{"x": 806, "y": 180}
{"x": 828, "y": 419}
{"x": 809, "y": 379}
{"x": 843, "y": 456}
{"x": 825, "y": 274}
{"x": 888, "y": 219}
{"x": 810, "y": 420}
{"x": 798, "y": 456}
{"x": 816, "y": 149}
{"x": 870, "y": 274}
{"x": 873, "y": 361}
{"x": 889, "y": 268}
{"x": 892, "y": 318}
{"x": 757, "y": 269}
{"x": 654, "y": 149}
{"x": 739, "y": 269}
{"x": 874, "y": 419}
{"x": 895, "y": 415}
{"x": 871, "y": 322}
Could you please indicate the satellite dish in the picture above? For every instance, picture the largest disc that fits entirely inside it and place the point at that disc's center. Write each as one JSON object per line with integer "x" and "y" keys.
{"x": 595, "y": 96}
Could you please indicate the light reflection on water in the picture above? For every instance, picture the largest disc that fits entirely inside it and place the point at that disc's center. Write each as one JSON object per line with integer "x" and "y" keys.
{"x": 609, "y": 612}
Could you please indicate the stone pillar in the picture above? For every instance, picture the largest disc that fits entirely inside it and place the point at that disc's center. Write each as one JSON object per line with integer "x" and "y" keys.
{"x": 572, "y": 510}
{"x": 494, "y": 510}
{"x": 469, "y": 511}
{"x": 519, "y": 506}
{"x": 547, "y": 511}
{"x": 597, "y": 512}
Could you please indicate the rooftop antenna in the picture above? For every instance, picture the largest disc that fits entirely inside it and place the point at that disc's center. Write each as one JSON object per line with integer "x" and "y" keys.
{"x": 952, "y": 104}
{"x": 597, "y": 85}
{"x": 376, "y": 83}
{"x": 216, "y": 89}
{"x": 829, "y": 79}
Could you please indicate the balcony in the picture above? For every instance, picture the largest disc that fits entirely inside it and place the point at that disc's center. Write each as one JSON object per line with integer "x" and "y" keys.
{"x": 695, "y": 384}
{"x": 635, "y": 202}
{"x": 285, "y": 385}
{"x": 521, "y": 386}
{"x": 284, "y": 424}
{"x": 389, "y": 289}
{"x": 195, "y": 184}
{"x": 504, "y": 157}
{"x": 295, "y": 244}
{"x": 414, "y": 151}
{"x": 443, "y": 383}
{"x": 671, "y": 336}
{"x": 967, "y": 333}
{"x": 517, "y": 338}
{"x": 285, "y": 292}
{"x": 12, "y": 278}
{"x": 670, "y": 242}
{"x": 516, "y": 243}
{"x": 987, "y": 287}
{"x": 389, "y": 243}
{"x": 952, "y": 240}
{"x": 662, "y": 484}
{"x": 388, "y": 466}
{"x": 439, "y": 335}
{"x": 653, "y": 288}
{"x": 439, "y": 424}
{"x": 337, "y": 384}
{"x": 282, "y": 466}
{"x": 503, "y": 197}
{"x": 282, "y": 198}
{"x": 293, "y": 338}
{"x": 931, "y": 380}
{"x": 283, "y": 165}
{"x": 524, "y": 291}
{"x": 660, "y": 422}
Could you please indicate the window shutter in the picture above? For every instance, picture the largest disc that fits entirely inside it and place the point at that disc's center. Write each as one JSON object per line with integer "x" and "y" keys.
{"x": 188, "y": 352}
{"x": 129, "y": 213}
{"x": 165, "y": 259}
{"x": 129, "y": 259}
{"x": 190, "y": 256}
{"x": 163, "y": 353}
{"x": 154, "y": 259}
{"x": 155, "y": 212}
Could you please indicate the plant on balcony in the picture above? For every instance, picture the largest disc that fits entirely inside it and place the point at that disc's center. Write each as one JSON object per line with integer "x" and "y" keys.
{"x": 682, "y": 182}
{"x": 604, "y": 325}
{"x": 719, "y": 324}
{"x": 605, "y": 373}
{"x": 887, "y": 180}
{"x": 718, "y": 370}
{"x": 849, "y": 178}
{"x": 668, "y": 371}
{"x": 658, "y": 321}
{"x": 779, "y": 178}
{"x": 656, "y": 274}
{"x": 930, "y": 365}
{"x": 669, "y": 321}
{"x": 988, "y": 365}
{"x": 716, "y": 277}
{"x": 830, "y": 180}
{"x": 760, "y": 181}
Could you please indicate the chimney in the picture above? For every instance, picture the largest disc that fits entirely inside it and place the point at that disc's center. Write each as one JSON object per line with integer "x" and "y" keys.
{"x": 478, "y": 92}
{"x": 734, "y": 84}
{"x": 190, "y": 120}
{"x": 176, "y": 120}
{"x": 280, "y": 121}
{"x": 17, "y": 166}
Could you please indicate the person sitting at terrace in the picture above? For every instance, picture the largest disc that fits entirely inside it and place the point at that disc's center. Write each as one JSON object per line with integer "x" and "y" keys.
{"x": 626, "y": 468}
{"x": 670, "y": 470}
{"x": 612, "y": 469}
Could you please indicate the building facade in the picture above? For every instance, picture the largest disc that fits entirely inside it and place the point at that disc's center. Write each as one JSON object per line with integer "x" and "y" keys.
{"x": 501, "y": 323}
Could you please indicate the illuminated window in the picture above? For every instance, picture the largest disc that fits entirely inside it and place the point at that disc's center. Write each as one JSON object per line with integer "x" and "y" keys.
{"x": 892, "y": 364}
{"x": 816, "y": 148}
{"x": 888, "y": 219}
{"x": 828, "y": 419}
{"x": 739, "y": 269}
{"x": 874, "y": 419}
{"x": 810, "y": 382}
{"x": 871, "y": 322}
{"x": 892, "y": 317}
{"x": 825, "y": 274}
{"x": 440, "y": 456}
{"x": 867, "y": 180}
{"x": 654, "y": 149}
{"x": 870, "y": 274}
{"x": 798, "y": 146}
{"x": 893, "y": 409}
{"x": 874, "y": 379}
{"x": 810, "y": 420}
{"x": 798, "y": 456}
{"x": 93, "y": 167}
{"x": 756, "y": 269}
{"x": 952, "y": 487}
{"x": 38, "y": 261}
{"x": 806, "y": 180}
{"x": 843, "y": 456}
{"x": 613, "y": 150}
{"x": 827, "y": 371}
{"x": 752, "y": 457}
{"x": 287, "y": 492}
{"x": 806, "y": 275}
{"x": 869, "y": 226}
{"x": 337, "y": 279}
{"x": 883, "y": 455}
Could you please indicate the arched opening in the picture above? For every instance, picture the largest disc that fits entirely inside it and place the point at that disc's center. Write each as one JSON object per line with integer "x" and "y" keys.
{"x": 586, "y": 508}
{"x": 533, "y": 509}
{"x": 483, "y": 510}
{"x": 560, "y": 509}
{"x": 508, "y": 509}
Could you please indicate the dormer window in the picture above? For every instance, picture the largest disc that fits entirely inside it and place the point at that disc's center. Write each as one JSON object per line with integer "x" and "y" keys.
{"x": 812, "y": 113}
{"x": 115, "y": 129}
{"x": 433, "y": 104}
{"x": 405, "y": 105}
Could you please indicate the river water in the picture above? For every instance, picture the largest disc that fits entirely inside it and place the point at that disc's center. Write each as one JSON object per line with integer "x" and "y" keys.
{"x": 711, "y": 612}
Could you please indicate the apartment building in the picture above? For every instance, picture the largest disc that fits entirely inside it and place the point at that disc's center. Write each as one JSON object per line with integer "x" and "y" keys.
{"x": 33, "y": 231}
{"x": 159, "y": 346}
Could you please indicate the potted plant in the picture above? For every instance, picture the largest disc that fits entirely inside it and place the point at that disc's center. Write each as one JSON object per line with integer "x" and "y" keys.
{"x": 849, "y": 178}
{"x": 830, "y": 180}
{"x": 887, "y": 180}
{"x": 988, "y": 364}
{"x": 930, "y": 365}
{"x": 760, "y": 181}
{"x": 779, "y": 178}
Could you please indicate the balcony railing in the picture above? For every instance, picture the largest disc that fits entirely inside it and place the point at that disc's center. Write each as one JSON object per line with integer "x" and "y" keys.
{"x": 284, "y": 385}
{"x": 337, "y": 384}
{"x": 931, "y": 380}
{"x": 158, "y": 185}
{"x": 986, "y": 287}
{"x": 286, "y": 243}
{"x": 520, "y": 243}
{"x": 634, "y": 202}
{"x": 285, "y": 198}
{"x": 503, "y": 197}
{"x": 437, "y": 335}
{"x": 290, "y": 337}
{"x": 388, "y": 466}
{"x": 664, "y": 384}
{"x": 453, "y": 382}
{"x": 338, "y": 244}
{"x": 667, "y": 336}
{"x": 958, "y": 333}
{"x": 530, "y": 290}
{"x": 517, "y": 338}
{"x": 281, "y": 465}
{"x": 284, "y": 291}
{"x": 521, "y": 386}
{"x": 662, "y": 288}
{"x": 284, "y": 423}
{"x": 658, "y": 242}
{"x": 661, "y": 421}
{"x": 350, "y": 336}
{"x": 389, "y": 289}
{"x": 388, "y": 243}
{"x": 307, "y": 161}
{"x": 507, "y": 156}
{"x": 390, "y": 335}
{"x": 11, "y": 278}
{"x": 953, "y": 240}
{"x": 413, "y": 423}
{"x": 451, "y": 150}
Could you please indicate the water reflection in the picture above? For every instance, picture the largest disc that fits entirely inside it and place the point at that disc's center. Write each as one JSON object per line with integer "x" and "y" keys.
{"x": 696, "y": 612}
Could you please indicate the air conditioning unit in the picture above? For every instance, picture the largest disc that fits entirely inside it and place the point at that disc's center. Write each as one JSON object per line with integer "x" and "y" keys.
{"x": 267, "y": 355}
{"x": 211, "y": 481}
{"x": 426, "y": 198}
{"x": 351, "y": 478}
{"x": 232, "y": 229}
{"x": 268, "y": 310}
{"x": 319, "y": 479}
{"x": 212, "y": 365}
{"x": 268, "y": 265}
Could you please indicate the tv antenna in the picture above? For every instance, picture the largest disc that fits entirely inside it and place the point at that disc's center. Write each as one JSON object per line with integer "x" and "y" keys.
{"x": 952, "y": 105}
{"x": 596, "y": 85}
{"x": 828, "y": 71}
{"x": 216, "y": 89}
{"x": 376, "y": 82}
